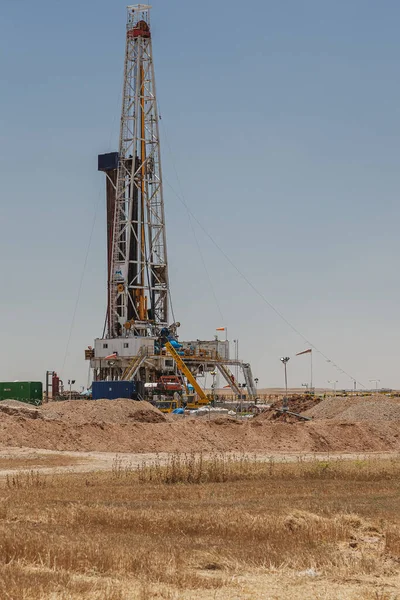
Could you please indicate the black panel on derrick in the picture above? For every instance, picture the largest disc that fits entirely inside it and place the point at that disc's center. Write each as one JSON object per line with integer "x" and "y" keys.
{"x": 108, "y": 162}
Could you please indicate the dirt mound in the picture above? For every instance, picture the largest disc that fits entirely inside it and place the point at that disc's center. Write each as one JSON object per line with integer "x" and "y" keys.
{"x": 224, "y": 420}
{"x": 299, "y": 404}
{"x": 194, "y": 435}
{"x": 122, "y": 411}
{"x": 357, "y": 408}
{"x": 296, "y": 403}
{"x": 128, "y": 426}
{"x": 19, "y": 409}
{"x": 16, "y": 404}
{"x": 372, "y": 410}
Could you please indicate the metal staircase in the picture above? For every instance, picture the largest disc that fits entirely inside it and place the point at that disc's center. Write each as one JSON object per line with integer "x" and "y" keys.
{"x": 229, "y": 378}
{"x": 248, "y": 377}
{"x": 134, "y": 365}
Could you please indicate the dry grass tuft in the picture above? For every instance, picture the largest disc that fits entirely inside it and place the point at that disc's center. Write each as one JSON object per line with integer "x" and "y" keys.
{"x": 19, "y": 581}
{"x": 26, "y": 479}
{"x": 392, "y": 542}
{"x": 222, "y": 467}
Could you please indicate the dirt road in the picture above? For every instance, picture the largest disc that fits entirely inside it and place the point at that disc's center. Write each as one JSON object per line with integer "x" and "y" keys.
{"x": 13, "y": 460}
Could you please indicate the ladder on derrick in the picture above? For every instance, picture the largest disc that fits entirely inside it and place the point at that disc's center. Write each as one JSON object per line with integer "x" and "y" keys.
{"x": 229, "y": 377}
{"x": 248, "y": 377}
{"x": 134, "y": 365}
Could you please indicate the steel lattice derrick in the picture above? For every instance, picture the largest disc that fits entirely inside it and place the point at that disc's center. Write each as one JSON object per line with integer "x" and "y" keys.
{"x": 138, "y": 296}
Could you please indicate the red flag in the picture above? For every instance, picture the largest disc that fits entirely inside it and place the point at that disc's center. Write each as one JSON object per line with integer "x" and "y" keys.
{"x": 220, "y": 329}
{"x": 110, "y": 356}
{"x": 304, "y": 352}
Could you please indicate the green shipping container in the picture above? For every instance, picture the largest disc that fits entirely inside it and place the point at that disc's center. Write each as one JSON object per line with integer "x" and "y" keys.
{"x": 24, "y": 391}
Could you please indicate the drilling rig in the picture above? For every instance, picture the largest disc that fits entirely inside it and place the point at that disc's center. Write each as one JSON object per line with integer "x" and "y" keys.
{"x": 139, "y": 342}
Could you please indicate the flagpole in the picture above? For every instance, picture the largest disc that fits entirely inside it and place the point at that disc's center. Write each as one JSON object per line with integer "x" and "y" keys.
{"x": 311, "y": 384}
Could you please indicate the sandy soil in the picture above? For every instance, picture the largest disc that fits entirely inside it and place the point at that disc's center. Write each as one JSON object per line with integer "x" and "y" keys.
{"x": 339, "y": 425}
{"x": 205, "y": 436}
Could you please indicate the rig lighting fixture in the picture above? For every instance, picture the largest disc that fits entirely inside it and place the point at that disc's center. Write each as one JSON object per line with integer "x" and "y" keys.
{"x": 284, "y": 361}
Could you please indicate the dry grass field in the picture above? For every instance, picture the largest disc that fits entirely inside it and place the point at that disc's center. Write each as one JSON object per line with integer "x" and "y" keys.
{"x": 215, "y": 528}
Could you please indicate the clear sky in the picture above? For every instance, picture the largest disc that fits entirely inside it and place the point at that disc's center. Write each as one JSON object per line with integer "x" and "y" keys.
{"x": 281, "y": 119}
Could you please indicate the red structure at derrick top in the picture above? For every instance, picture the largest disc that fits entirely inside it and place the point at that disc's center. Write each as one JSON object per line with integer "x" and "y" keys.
{"x": 141, "y": 29}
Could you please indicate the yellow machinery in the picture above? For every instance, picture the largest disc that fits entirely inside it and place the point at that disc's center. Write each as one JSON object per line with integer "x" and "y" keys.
{"x": 202, "y": 397}
{"x": 168, "y": 405}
